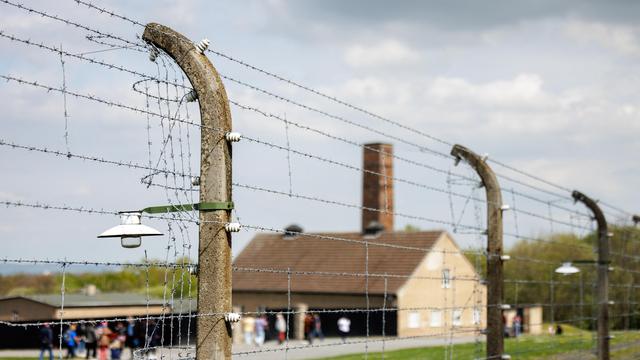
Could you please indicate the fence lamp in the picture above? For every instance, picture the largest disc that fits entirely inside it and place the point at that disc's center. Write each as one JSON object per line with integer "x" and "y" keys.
{"x": 130, "y": 231}
{"x": 567, "y": 269}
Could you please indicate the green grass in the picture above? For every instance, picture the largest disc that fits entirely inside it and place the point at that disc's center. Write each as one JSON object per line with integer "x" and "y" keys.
{"x": 529, "y": 347}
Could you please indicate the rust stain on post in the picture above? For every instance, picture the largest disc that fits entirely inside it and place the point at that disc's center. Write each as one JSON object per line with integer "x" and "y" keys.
{"x": 495, "y": 276}
{"x": 214, "y": 252}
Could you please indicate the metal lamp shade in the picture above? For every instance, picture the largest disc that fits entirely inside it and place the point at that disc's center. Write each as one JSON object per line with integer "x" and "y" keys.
{"x": 567, "y": 269}
{"x": 130, "y": 230}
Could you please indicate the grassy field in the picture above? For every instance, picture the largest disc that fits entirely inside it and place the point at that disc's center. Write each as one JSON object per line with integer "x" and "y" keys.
{"x": 573, "y": 345}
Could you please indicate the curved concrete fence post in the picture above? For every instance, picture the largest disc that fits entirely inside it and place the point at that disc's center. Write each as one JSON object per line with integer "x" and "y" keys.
{"x": 602, "y": 287}
{"x": 214, "y": 252}
{"x": 495, "y": 276}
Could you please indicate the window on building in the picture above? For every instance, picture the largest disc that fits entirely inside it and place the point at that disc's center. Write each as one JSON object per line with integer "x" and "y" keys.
{"x": 414, "y": 320}
{"x": 476, "y": 316}
{"x": 446, "y": 279}
{"x": 456, "y": 317}
{"x": 436, "y": 318}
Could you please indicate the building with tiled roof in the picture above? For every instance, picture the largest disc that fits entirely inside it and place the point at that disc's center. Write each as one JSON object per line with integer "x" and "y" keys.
{"x": 419, "y": 283}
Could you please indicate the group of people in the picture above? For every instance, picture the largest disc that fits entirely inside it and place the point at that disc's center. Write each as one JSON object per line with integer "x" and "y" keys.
{"x": 313, "y": 327}
{"x": 255, "y": 329}
{"x": 517, "y": 325}
{"x": 99, "y": 341}
{"x": 555, "y": 330}
{"x": 516, "y": 329}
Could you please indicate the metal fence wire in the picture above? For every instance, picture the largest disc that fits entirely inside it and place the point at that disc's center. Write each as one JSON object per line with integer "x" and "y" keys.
{"x": 446, "y": 281}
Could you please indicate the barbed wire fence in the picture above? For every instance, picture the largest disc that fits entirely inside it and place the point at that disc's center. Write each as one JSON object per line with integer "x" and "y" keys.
{"x": 165, "y": 106}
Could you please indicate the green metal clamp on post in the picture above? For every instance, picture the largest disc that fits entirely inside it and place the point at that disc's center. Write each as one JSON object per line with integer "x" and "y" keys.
{"x": 205, "y": 206}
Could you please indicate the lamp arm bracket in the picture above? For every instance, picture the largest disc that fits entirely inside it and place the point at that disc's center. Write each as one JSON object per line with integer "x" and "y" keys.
{"x": 204, "y": 206}
{"x": 590, "y": 262}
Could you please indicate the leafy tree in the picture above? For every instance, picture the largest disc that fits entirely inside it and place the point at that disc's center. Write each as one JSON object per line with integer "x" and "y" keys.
{"x": 530, "y": 278}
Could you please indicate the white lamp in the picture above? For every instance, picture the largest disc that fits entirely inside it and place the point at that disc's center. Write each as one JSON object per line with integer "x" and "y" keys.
{"x": 567, "y": 269}
{"x": 130, "y": 231}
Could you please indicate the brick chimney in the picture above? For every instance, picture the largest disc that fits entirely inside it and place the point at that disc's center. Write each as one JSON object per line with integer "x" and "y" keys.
{"x": 377, "y": 191}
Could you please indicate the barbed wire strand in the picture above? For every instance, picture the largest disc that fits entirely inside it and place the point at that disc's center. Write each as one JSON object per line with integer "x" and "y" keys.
{"x": 120, "y": 68}
{"x": 113, "y": 14}
{"x": 170, "y": 172}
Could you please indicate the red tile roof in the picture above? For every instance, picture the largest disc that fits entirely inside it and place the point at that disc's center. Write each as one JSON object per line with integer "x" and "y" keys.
{"x": 394, "y": 253}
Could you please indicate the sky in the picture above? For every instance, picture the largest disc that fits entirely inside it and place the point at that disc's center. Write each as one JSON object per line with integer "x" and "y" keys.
{"x": 551, "y": 88}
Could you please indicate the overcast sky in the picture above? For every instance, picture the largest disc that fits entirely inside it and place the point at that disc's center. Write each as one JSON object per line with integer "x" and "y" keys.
{"x": 550, "y": 87}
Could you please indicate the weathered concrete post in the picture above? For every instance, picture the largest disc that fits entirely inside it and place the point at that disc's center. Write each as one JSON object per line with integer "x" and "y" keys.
{"x": 495, "y": 277}
{"x": 214, "y": 252}
{"x": 602, "y": 286}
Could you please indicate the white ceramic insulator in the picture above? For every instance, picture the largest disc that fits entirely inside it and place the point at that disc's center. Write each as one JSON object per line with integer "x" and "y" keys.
{"x": 202, "y": 45}
{"x": 233, "y": 136}
{"x": 153, "y": 54}
{"x": 505, "y": 207}
{"x": 506, "y": 357}
{"x": 505, "y": 306}
{"x": 232, "y": 227}
{"x": 505, "y": 257}
{"x": 195, "y": 180}
{"x": 191, "y": 96}
{"x": 193, "y": 269}
{"x": 232, "y": 317}
{"x": 485, "y": 157}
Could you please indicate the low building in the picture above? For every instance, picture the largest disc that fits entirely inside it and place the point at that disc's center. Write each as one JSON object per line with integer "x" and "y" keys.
{"x": 31, "y": 309}
{"x": 77, "y": 306}
{"x": 416, "y": 283}
{"x": 530, "y": 319}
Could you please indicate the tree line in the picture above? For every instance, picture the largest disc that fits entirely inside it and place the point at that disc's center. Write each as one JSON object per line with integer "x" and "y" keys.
{"x": 530, "y": 277}
{"x": 124, "y": 279}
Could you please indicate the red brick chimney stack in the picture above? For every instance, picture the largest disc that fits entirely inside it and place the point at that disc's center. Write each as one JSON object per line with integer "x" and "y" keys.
{"x": 377, "y": 191}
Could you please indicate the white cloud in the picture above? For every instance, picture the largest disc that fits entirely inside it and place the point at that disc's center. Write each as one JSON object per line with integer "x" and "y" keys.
{"x": 622, "y": 38}
{"x": 8, "y": 196}
{"x": 369, "y": 87}
{"x": 82, "y": 190}
{"x": 523, "y": 89}
{"x": 629, "y": 110}
{"x": 388, "y": 52}
{"x": 20, "y": 22}
{"x": 542, "y": 106}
